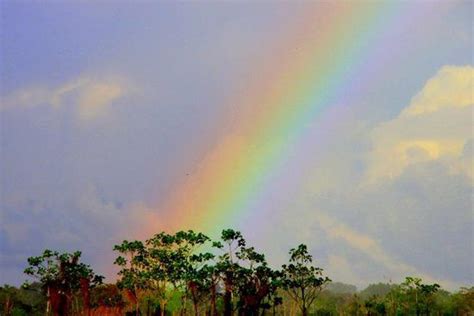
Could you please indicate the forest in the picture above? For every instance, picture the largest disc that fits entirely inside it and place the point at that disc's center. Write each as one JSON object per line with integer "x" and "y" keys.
{"x": 187, "y": 273}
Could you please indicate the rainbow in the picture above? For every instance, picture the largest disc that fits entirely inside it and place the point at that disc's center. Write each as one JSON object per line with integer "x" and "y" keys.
{"x": 317, "y": 65}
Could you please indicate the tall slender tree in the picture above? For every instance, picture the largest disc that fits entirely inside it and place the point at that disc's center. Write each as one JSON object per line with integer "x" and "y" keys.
{"x": 231, "y": 242}
{"x": 134, "y": 270}
{"x": 303, "y": 281}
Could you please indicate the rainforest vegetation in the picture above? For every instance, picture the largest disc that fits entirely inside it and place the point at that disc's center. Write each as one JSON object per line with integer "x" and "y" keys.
{"x": 187, "y": 273}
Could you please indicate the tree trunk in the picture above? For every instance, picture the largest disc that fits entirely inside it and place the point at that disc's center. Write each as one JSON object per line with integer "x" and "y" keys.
{"x": 85, "y": 291}
{"x": 56, "y": 299}
{"x": 228, "y": 294}
{"x": 193, "y": 289}
{"x": 305, "y": 311}
{"x": 303, "y": 301}
{"x": 8, "y": 307}
{"x": 48, "y": 302}
{"x": 182, "y": 310}
{"x": 213, "y": 300}
{"x": 227, "y": 303}
{"x": 162, "y": 308}
{"x": 196, "y": 310}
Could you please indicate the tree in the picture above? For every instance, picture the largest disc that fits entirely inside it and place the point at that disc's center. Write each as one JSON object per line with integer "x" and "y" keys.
{"x": 134, "y": 273}
{"x": 206, "y": 282}
{"x": 245, "y": 275}
{"x": 62, "y": 277}
{"x": 165, "y": 261}
{"x": 379, "y": 289}
{"x": 463, "y": 301}
{"x": 22, "y": 301}
{"x": 255, "y": 282}
{"x": 201, "y": 285}
{"x": 107, "y": 298}
{"x": 341, "y": 288}
{"x": 188, "y": 269}
{"x": 418, "y": 295}
{"x": 302, "y": 281}
{"x": 227, "y": 266}
{"x": 375, "y": 306}
{"x": 164, "y": 265}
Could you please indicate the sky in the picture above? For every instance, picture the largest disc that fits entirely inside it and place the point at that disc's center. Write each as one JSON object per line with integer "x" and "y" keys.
{"x": 344, "y": 125}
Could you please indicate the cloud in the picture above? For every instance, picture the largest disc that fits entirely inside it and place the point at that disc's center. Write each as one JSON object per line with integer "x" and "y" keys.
{"x": 372, "y": 249}
{"x": 94, "y": 100}
{"x": 394, "y": 199}
{"x": 90, "y": 96}
{"x": 437, "y": 125}
{"x": 451, "y": 87}
{"x": 89, "y": 222}
{"x": 342, "y": 267}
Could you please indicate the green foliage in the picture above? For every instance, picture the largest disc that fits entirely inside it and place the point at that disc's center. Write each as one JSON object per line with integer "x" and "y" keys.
{"x": 418, "y": 298}
{"x": 249, "y": 283}
{"x": 341, "y": 288}
{"x": 379, "y": 289}
{"x": 301, "y": 279}
{"x": 22, "y": 301}
{"x": 107, "y": 295}
{"x": 63, "y": 278}
{"x": 171, "y": 273}
{"x": 163, "y": 265}
{"x": 61, "y": 269}
{"x": 133, "y": 265}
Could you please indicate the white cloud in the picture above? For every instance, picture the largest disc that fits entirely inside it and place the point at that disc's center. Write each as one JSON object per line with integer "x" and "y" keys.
{"x": 91, "y": 97}
{"x": 436, "y": 125}
{"x": 94, "y": 100}
{"x": 451, "y": 87}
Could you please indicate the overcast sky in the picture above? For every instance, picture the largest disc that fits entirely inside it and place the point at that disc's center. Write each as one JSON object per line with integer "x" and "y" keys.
{"x": 107, "y": 108}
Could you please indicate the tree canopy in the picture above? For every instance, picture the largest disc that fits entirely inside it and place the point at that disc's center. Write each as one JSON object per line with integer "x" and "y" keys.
{"x": 187, "y": 273}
